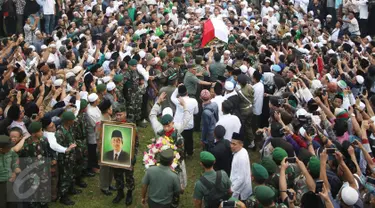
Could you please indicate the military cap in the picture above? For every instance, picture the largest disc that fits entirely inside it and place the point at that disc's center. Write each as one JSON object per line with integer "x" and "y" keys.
{"x": 186, "y": 45}
{"x": 133, "y": 62}
{"x": 117, "y": 133}
{"x": 279, "y": 154}
{"x": 119, "y": 109}
{"x": 172, "y": 77}
{"x": 259, "y": 172}
{"x": 264, "y": 194}
{"x": 269, "y": 164}
{"x": 166, "y": 119}
{"x": 206, "y": 157}
{"x": 231, "y": 39}
{"x": 162, "y": 54}
{"x": 136, "y": 37}
{"x": 166, "y": 155}
{"x": 83, "y": 104}
{"x": 197, "y": 37}
{"x": 5, "y": 141}
{"x": 118, "y": 78}
{"x": 34, "y": 127}
{"x": 198, "y": 59}
{"x": 314, "y": 166}
{"x": 177, "y": 60}
{"x": 68, "y": 116}
{"x": 101, "y": 88}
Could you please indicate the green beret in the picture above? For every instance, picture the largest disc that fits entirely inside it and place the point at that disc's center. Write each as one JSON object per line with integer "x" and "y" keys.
{"x": 264, "y": 194}
{"x": 172, "y": 77}
{"x": 186, "y": 45}
{"x": 101, "y": 88}
{"x": 231, "y": 39}
{"x": 166, "y": 155}
{"x": 166, "y": 119}
{"x": 279, "y": 154}
{"x": 177, "y": 60}
{"x": 5, "y": 141}
{"x": 149, "y": 57}
{"x": 133, "y": 62}
{"x": 164, "y": 66}
{"x": 206, "y": 157}
{"x": 270, "y": 165}
{"x": 162, "y": 54}
{"x": 259, "y": 172}
{"x": 136, "y": 37}
{"x": 119, "y": 109}
{"x": 195, "y": 42}
{"x": 34, "y": 127}
{"x": 68, "y": 116}
{"x": 118, "y": 78}
{"x": 83, "y": 104}
{"x": 314, "y": 166}
{"x": 117, "y": 133}
{"x": 197, "y": 37}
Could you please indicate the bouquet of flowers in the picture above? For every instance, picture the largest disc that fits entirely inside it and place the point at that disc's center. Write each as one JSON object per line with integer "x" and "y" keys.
{"x": 151, "y": 156}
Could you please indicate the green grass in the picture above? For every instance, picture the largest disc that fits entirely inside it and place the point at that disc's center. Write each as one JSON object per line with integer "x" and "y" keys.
{"x": 91, "y": 197}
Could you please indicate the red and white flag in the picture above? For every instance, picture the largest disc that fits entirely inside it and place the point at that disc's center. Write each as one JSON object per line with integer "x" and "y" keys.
{"x": 214, "y": 28}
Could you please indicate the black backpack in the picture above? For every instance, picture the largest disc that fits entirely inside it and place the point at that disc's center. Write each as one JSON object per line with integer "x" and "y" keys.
{"x": 216, "y": 194}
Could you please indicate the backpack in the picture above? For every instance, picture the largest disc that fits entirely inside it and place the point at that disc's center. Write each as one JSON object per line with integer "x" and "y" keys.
{"x": 216, "y": 193}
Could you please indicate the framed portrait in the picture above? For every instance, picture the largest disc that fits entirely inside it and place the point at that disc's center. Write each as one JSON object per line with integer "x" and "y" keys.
{"x": 117, "y": 144}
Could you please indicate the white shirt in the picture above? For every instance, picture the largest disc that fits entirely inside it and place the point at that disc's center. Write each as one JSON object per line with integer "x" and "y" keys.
{"x": 109, "y": 11}
{"x": 114, "y": 155}
{"x": 48, "y": 6}
{"x": 258, "y": 98}
{"x": 53, "y": 143}
{"x": 142, "y": 71}
{"x": 94, "y": 113}
{"x": 264, "y": 11}
{"x": 54, "y": 58}
{"x": 354, "y": 27}
{"x": 241, "y": 175}
{"x": 191, "y": 106}
{"x": 219, "y": 99}
{"x": 363, "y": 8}
{"x": 335, "y": 34}
{"x": 231, "y": 123}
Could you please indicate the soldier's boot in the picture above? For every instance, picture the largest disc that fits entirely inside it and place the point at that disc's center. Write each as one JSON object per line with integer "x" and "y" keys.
{"x": 74, "y": 191}
{"x": 112, "y": 188}
{"x": 119, "y": 197}
{"x": 66, "y": 201}
{"x": 129, "y": 197}
{"x": 81, "y": 183}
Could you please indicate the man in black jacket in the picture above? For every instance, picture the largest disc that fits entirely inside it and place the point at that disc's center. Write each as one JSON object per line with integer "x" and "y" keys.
{"x": 222, "y": 151}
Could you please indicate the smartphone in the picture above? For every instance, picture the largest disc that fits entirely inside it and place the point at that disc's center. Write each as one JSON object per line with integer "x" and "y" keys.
{"x": 229, "y": 204}
{"x": 331, "y": 150}
{"x": 33, "y": 117}
{"x": 291, "y": 160}
{"x": 355, "y": 142}
{"x": 319, "y": 186}
{"x": 370, "y": 180}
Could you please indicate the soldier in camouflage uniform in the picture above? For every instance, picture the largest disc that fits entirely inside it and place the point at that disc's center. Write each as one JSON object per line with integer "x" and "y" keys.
{"x": 120, "y": 116}
{"x": 36, "y": 149}
{"x": 119, "y": 81}
{"x": 188, "y": 52}
{"x": 80, "y": 135}
{"x": 66, "y": 162}
{"x": 134, "y": 91}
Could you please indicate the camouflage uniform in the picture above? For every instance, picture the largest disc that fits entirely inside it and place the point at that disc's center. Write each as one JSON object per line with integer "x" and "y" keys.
{"x": 66, "y": 162}
{"x": 120, "y": 94}
{"x": 80, "y": 135}
{"x": 189, "y": 57}
{"x": 134, "y": 96}
{"x": 33, "y": 153}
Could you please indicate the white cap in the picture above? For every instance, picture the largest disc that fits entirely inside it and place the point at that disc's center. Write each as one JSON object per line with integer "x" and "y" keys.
{"x": 58, "y": 82}
{"x": 69, "y": 74}
{"x": 111, "y": 86}
{"x": 229, "y": 85}
{"x": 52, "y": 46}
{"x": 227, "y": 52}
{"x": 329, "y": 16}
{"x": 316, "y": 84}
{"x": 43, "y": 47}
{"x": 64, "y": 15}
{"x": 187, "y": 16}
{"x": 174, "y": 8}
{"x": 349, "y": 195}
{"x": 317, "y": 20}
{"x": 83, "y": 95}
{"x": 359, "y": 79}
{"x": 270, "y": 9}
{"x": 81, "y": 36}
{"x": 263, "y": 47}
{"x": 142, "y": 53}
{"x": 268, "y": 1}
{"x": 243, "y": 68}
{"x": 77, "y": 69}
{"x": 166, "y": 111}
{"x": 243, "y": 3}
{"x": 93, "y": 97}
{"x": 106, "y": 79}
{"x": 156, "y": 60}
{"x": 276, "y": 7}
{"x": 249, "y": 9}
{"x": 301, "y": 112}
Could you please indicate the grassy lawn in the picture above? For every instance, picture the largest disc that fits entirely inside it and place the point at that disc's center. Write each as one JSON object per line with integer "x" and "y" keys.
{"x": 92, "y": 197}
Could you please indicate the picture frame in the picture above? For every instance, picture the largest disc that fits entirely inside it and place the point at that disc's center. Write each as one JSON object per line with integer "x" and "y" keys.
{"x": 117, "y": 144}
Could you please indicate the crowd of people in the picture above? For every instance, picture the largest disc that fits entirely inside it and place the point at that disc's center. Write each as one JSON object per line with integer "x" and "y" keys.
{"x": 294, "y": 84}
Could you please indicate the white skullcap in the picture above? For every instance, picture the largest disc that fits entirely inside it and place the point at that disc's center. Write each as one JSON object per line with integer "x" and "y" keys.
{"x": 349, "y": 195}
{"x": 249, "y": 9}
{"x": 69, "y": 74}
{"x": 187, "y": 16}
{"x": 207, "y": 6}
{"x": 243, "y": 35}
{"x": 252, "y": 21}
{"x": 270, "y": 9}
{"x": 229, "y": 85}
{"x": 43, "y": 47}
{"x": 166, "y": 111}
{"x": 81, "y": 36}
{"x": 268, "y": 1}
{"x": 174, "y": 8}
{"x": 317, "y": 20}
{"x": 329, "y": 16}
{"x": 301, "y": 112}
{"x": 359, "y": 79}
{"x": 311, "y": 12}
{"x": 198, "y": 11}
{"x": 243, "y": 3}
{"x": 64, "y": 15}
{"x": 77, "y": 69}
{"x": 263, "y": 47}
{"x": 52, "y": 46}
{"x": 83, "y": 95}
{"x": 106, "y": 79}
{"x": 142, "y": 53}
{"x": 316, "y": 84}
{"x": 37, "y": 32}
{"x": 93, "y": 97}
{"x": 276, "y": 7}
{"x": 111, "y": 86}
{"x": 156, "y": 59}
{"x": 256, "y": 27}
{"x": 32, "y": 48}
{"x": 227, "y": 52}
{"x": 58, "y": 82}
{"x": 161, "y": 6}
{"x": 108, "y": 55}
{"x": 243, "y": 68}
